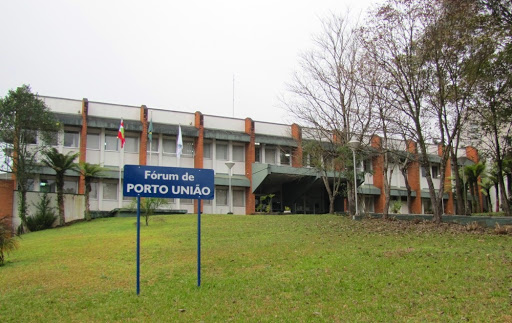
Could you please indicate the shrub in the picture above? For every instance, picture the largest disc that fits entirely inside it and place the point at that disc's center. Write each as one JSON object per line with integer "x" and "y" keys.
{"x": 7, "y": 241}
{"x": 44, "y": 217}
{"x": 506, "y": 229}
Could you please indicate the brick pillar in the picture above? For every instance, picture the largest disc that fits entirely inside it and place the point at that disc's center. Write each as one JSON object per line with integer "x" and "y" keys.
{"x": 7, "y": 198}
{"x": 143, "y": 149}
{"x": 413, "y": 176}
{"x": 297, "y": 152}
{"x": 250, "y": 158}
{"x": 83, "y": 143}
{"x": 378, "y": 174}
{"x": 472, "y": 154}
{"x": 199, "y": 147}
{"x": 448, "y": 205}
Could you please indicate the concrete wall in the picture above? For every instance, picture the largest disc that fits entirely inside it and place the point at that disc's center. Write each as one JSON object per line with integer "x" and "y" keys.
{"x": 74, "y": 206}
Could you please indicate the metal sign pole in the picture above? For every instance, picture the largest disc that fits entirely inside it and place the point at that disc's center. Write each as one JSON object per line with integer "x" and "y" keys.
{"x": 198, "y": 243}
{"x": 138, "y": 245}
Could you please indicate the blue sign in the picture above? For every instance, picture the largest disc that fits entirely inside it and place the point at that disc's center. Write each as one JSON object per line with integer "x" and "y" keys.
{"x": 168, "y": 182}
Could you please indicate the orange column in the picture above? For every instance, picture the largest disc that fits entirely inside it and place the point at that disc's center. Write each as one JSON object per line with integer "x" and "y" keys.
{"x": 297, "y": 152}
{"x": 448, "y": 206}
{"x": 472, "y": 154}
{"x": 143, "y": 149}
{"x": 250, "y": 158}
{"x": 413, "y": 176}
{"x": 7, "y": 197}
{"x": 378, "y": 174}
{"x": 83, "y": 143}
{"x": 199, "y": 147}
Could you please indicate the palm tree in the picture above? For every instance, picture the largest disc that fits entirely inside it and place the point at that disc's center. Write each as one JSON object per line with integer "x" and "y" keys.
{"x": 473, "y": 172}
{"x": 89, "y": 171}
{"x": 60, "y": 163}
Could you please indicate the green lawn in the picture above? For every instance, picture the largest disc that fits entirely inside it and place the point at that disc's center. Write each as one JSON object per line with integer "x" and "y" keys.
{"x": 295, "y": 268}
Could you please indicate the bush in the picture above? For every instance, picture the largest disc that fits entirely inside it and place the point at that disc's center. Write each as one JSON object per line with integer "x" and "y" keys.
{"x": 44, "y": 217}
{"x": 7, "y": 241}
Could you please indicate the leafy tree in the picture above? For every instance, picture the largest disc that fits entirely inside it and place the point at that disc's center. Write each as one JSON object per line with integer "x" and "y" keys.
{"x": 150, "y": 204}
{"x": 7, "y": 241}
{"x": 60, "y": 163}
{"x": 26, "y": 127}
{"x": 89, "y": 172}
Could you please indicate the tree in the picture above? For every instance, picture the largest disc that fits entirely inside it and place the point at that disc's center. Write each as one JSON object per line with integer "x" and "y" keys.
{"x": 393, "y": 38}
{"x": 324, "y": 96}
{"x": 89, "y": 172}
{"x": 60, "y": 163}
{"x": 7, "y": 241}
{"x": 149, "y": 205}
{"x": 26, "y": 127}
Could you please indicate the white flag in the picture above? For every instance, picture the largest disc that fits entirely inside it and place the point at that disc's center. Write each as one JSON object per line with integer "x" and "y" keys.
{"x": 179, "y": 143}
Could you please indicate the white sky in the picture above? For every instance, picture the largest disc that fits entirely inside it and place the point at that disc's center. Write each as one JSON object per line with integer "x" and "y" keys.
{"x": 177, "y": 55}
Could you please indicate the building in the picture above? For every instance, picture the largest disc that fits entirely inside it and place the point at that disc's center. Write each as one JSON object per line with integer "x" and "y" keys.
{"x": 268, "y": 160}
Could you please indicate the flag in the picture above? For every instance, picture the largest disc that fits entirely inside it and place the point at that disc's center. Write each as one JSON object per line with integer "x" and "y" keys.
{"x": 150, "y": 130}
{"x": 120, "y": 134}
{"x": 179, "y": 143}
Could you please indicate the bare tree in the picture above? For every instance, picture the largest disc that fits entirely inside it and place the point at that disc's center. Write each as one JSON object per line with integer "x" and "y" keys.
{"x": 324, "y": 94}
{"x": 393, "y": 37}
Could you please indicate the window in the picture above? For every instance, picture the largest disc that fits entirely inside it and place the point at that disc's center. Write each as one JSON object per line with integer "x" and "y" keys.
{"x": 305, "y": 160}
{"x": 435, "y": 171}
{"x": 367, "y": 165}
{"x": 207, "y": 150}
{"x": 423, "y": 172}
{"x": 93, "y": 194}
{"x": 186, "y": 201}
{"x": 93, "y": 141}
{"x": 238, "y": 153}
{"x": 29, "y": 136}
{"x": 131, "y": 144}
{"x": 47, "y": 185}
{"x": 153, "y": 145}
{"x": 270, "y": 155}
{"x": 222, "y": 151}
{"x": 188, "y": 148}
{"x": 286, "y": 154}
{"x": 257, "y": 154}
{"x": 71, "y": 139}
{"x": 238, "y": 198}
{"x": 49, "y": 138}
{"x": 70, "y": 187}
{"x": 111, "y": 142}
{"x": 169, "y": 146}
{"x": 221, "y": 196}
{"x": 110, "y": 190}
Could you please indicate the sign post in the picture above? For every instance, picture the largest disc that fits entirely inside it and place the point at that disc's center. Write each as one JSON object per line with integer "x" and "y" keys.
{"x": 169, "y": 182}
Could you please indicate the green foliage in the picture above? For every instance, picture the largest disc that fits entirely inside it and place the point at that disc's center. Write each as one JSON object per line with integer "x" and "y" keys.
{"x": 44, "y": 217}
{"x": 265, "y": 206}
{"x": 26, "y": 127}
{"x": 148, "y": 205}
{"x": 7, "y": 241}
{"x": 396, "y": 206}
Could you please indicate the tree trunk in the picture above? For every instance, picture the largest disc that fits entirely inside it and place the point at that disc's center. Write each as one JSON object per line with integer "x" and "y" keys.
{"x": 497, "y": 190}
{"x": 459, "y": 205}
{"x": 59, "y": 181}
{"x": 87, "y": 205}
{"x": 22, "y": 194}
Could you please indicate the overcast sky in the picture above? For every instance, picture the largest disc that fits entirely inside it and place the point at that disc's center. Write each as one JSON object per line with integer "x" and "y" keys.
{"x": 177, "y": 55}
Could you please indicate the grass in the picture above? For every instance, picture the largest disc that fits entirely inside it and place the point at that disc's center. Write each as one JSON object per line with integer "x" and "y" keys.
{"x": 295, "y": 268}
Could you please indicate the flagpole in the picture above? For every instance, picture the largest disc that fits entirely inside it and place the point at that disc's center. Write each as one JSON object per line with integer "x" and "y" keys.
{"x": 179, "y": 147}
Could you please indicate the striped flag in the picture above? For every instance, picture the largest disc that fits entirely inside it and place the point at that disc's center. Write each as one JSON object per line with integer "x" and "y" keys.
{"x": 120, "y": 134}
{"x": 179, "y": 143}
